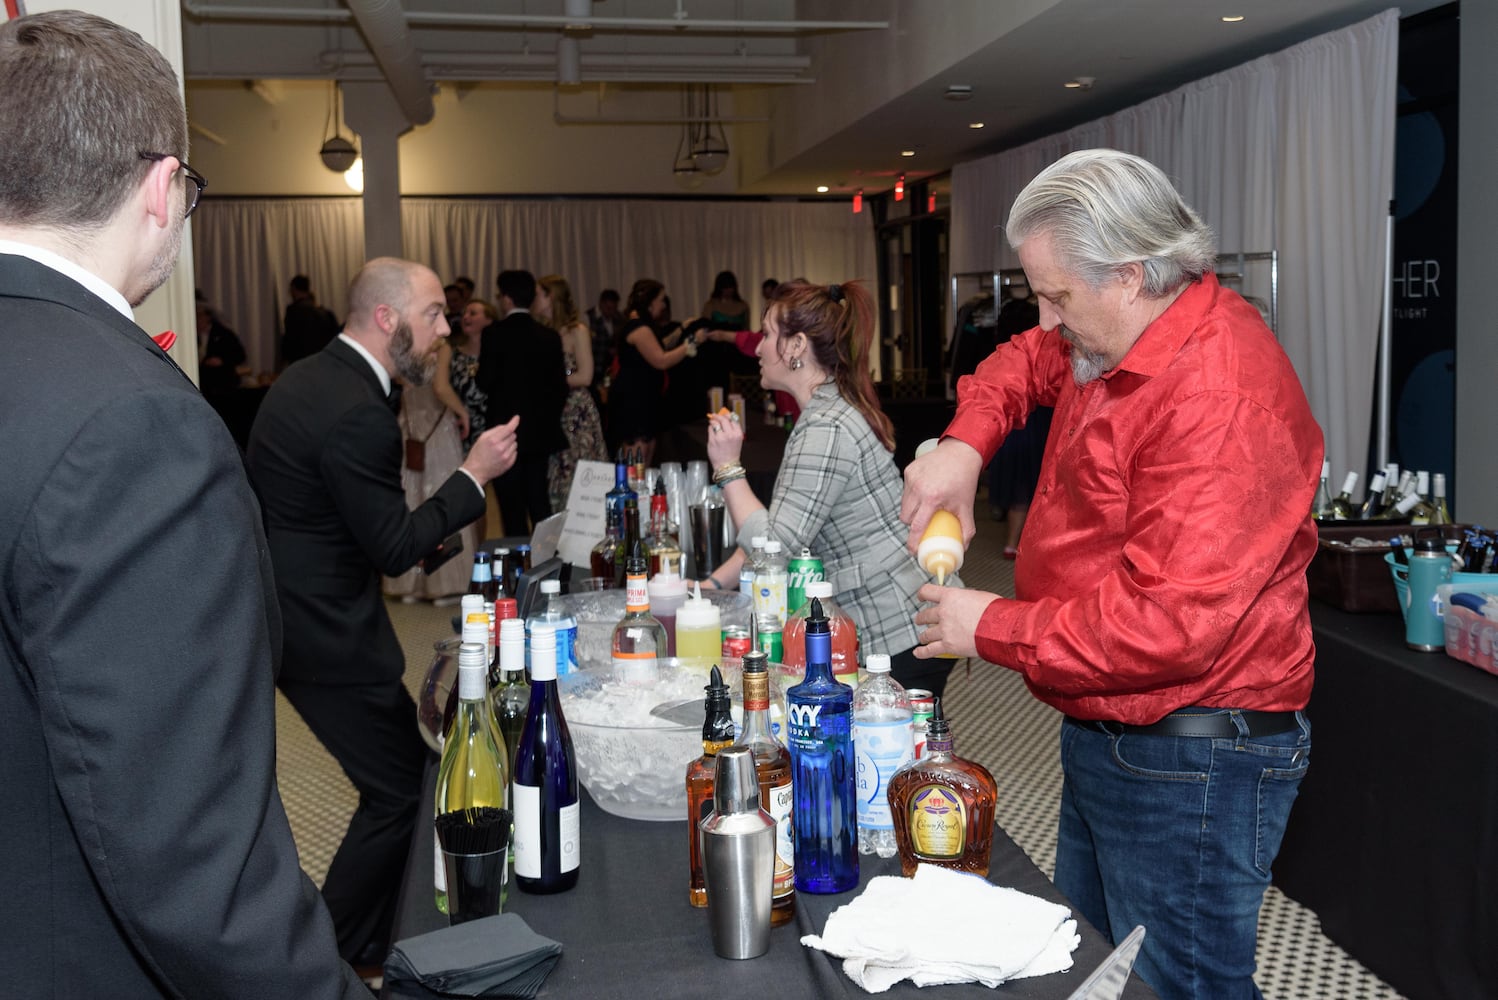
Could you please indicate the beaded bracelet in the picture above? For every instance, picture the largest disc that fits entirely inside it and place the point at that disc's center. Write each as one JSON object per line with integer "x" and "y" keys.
{"x": 728, "y": 473}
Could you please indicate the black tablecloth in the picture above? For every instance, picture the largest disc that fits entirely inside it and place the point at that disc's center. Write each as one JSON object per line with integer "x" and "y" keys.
{"x": 627, "y": 930}
{"x": 1393, "y": 840}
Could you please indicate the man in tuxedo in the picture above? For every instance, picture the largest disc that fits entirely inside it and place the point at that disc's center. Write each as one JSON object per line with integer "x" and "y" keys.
{"x": 325, "y": 457}
{"x": 147, "y": 852}
{"x": 522, "y": 368}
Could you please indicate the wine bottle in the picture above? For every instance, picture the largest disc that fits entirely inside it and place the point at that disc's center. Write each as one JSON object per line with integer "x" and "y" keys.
{"x": 1321, "y": 507}
{"x": 1373, "y": 504}
{"x": 614, "y": 498}
{"x": 548, "y": 847}
{"x": 1343, "y": 509}
{"x": 1391, "y": 484}
{"x": 819, "y": 726}
{"x": 511, "y": 694}
{"x": 472, "y": 772}
{"x": 1442, "y": 514}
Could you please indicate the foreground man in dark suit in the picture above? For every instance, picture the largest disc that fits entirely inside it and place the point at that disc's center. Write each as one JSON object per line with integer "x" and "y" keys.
{"x": 524, "y": 372}
{"x": 325, "y": 457}
{"x": 147, "y": 853}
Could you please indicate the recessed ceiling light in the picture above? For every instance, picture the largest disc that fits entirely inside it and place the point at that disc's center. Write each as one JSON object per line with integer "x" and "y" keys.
{"x": 1232, "y": 18}
{"x": 907, "y": 152}
{"x": 974, "y": 124}
{"x": 821, "y": 189}
{"x": 1080, "y": 83}
{"x": 958, "y": 92}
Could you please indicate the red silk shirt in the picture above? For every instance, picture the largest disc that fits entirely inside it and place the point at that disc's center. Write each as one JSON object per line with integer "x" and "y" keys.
{"x": 1164, "y": 558}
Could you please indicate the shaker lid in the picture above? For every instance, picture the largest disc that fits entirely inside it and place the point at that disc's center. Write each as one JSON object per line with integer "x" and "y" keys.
{"x": 735, "y": 783}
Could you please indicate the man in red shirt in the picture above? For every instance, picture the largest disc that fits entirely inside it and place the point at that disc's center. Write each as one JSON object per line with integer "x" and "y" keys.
{"x": 1161, "y": 591}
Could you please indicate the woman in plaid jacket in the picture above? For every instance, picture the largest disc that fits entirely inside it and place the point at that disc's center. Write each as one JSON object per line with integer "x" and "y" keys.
{"x": 838, "y": 491}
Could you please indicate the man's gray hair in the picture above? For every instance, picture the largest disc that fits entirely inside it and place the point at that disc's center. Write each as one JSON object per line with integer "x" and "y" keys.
{"x": 1105, "y": 209}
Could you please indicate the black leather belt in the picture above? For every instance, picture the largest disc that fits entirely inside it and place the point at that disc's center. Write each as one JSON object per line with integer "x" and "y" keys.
{"x": 1210, "y": 722}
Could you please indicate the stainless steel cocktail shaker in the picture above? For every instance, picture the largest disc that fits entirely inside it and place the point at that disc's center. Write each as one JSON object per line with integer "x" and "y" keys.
{"x": 738, "y": 858}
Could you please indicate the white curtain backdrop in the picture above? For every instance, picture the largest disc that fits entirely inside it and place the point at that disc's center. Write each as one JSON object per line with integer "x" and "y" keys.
{"x": 1292, "y": 152}
{"x": 246, "y": 251}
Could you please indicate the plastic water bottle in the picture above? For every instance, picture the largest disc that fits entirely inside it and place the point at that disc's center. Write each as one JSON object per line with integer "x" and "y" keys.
{"x": 750, "y": 565}
{"x": 770, "y": 583}
{"x": 883, "y": 742}
{"x": 563, "y": 625}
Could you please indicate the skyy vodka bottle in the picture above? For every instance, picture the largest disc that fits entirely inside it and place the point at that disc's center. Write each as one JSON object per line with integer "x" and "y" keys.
{"x": 820, "y": 737}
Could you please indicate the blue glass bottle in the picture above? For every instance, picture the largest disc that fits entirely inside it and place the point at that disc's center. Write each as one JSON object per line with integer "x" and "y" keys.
{"x": 544, "y": 796}
{"x": 614, "y": 498}
{"x": 819, "y": 732}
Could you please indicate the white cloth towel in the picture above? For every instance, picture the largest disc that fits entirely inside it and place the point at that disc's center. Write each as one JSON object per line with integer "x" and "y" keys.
{"x": 943, "y": 926}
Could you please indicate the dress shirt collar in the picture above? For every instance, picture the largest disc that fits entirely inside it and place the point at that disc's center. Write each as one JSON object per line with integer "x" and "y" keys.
{"x": 1162, "y": 340}
{"x": 379, "y": 369}
{"x": 67, "y": 268}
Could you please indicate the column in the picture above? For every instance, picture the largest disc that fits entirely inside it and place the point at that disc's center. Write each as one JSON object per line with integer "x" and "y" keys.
{"x": 371, "y": 111}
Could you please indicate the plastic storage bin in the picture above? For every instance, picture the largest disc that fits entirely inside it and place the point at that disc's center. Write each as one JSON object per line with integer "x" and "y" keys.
{"x": 1470, "y": 636}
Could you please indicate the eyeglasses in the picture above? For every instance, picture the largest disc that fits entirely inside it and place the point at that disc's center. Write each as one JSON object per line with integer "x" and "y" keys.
{"x": 198, "y": 180}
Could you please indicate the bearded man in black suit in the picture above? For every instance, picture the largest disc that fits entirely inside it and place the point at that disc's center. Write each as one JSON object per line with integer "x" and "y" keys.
{"x": 147, "y": 851}
{"x": 325, "y": 458}
{"x": 524, "y": 372}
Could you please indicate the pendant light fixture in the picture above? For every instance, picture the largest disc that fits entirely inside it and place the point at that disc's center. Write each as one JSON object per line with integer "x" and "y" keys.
{"x": 338, "y": 154}
{"x": 710, "y": 144}
{"x": 684, "y": 166}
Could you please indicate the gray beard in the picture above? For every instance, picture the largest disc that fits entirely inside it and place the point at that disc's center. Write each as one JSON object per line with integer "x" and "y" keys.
{"x": 412, "y": 370}
{"x": 1086, "y": 366}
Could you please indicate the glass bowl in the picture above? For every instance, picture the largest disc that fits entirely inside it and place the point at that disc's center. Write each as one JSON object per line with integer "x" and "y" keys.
{"x": 633, "y": 742}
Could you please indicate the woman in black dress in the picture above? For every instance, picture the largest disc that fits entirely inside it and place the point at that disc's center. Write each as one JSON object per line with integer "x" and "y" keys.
{"x": 635, "y": 394}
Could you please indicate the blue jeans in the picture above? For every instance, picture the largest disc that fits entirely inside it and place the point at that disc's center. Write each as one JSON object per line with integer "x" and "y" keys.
{"x": 1177, "y": 833}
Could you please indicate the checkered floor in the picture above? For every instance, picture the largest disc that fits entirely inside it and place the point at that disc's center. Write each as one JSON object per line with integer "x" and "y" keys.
{"x": 996, "y": 722}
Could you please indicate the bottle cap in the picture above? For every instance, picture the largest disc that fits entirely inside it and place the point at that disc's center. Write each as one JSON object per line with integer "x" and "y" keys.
{"x": 476, "y": 629}
{"x": 821, "y": 589}
{"x": 473, "y": 671}
{"x": 877, "y": 663}
{"x": 543, "y": 653}
{"x": 511, "y": 645}
{"x": 551, "y": 586}
{"x": 772, "y": 546}
{"x": 506, "y": 607}
{"x": 816, "y": 619}
{"x": 471, "y": 603}
{"x": 758, "y": 541}
{"x": 698, "y": 612}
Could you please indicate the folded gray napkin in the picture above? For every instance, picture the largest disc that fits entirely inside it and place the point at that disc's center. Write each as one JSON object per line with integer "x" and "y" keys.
{"x": 495, "y": 956}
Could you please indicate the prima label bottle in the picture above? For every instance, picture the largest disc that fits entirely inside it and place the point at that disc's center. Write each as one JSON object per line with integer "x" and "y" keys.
{"x": 819, "y": 727}
{"x": 639, "y": 640}
{"x": 548, "y": 845}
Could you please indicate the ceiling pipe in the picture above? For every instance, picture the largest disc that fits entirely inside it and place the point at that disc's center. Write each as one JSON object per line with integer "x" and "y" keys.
{"x": 667, "y": 25}
{"x": 386, "y": 32}
{"x": 595, "y": 67}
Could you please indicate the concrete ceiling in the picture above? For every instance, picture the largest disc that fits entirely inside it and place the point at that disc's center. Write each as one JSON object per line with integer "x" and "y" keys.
{"x": 1132, "y": 51}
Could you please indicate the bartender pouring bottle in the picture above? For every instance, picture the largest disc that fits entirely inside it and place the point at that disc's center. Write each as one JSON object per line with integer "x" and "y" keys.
{"x": 1161, "y": 580}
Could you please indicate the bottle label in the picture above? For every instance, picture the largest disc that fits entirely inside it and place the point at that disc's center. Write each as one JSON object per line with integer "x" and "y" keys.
{"x": 527, "y": 802}
{"x": 636, "y": 596}
{"x": 566, "y": 649}
{"x": 809, "y": 727}
{"x": 528, "y": 846}
{"x": 779, "y": 807}
{"x": 880, "y": 749}
{"x": 746, "y": 581}
{"x": 937, "y": 820}
{"x": 769, "y": 595}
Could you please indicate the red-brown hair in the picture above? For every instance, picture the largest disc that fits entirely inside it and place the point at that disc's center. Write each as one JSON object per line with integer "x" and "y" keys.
{"x": 838, "y": 321}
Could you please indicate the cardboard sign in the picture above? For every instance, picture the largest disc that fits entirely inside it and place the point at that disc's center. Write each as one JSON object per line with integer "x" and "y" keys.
{"x": 585, "y": 514}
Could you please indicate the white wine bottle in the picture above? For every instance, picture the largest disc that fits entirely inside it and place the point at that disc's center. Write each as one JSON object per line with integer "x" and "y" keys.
{"x": 1373, "y": 504}
{"x": 1442, "y": 513}
{"x": 1343, "y": 509}
{"x": 472, "y": 773}
{"x": 1321, "y": 507}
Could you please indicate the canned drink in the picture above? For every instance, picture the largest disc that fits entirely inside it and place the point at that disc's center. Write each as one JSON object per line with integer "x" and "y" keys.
{"x": 801, "y": 570}
{"x": 922, "y": 702}
{"x": 770, "y": 641}
{"x": 736, "y": 403}
{"x": 714, "y": 398}
{"x": 736, "y": 641}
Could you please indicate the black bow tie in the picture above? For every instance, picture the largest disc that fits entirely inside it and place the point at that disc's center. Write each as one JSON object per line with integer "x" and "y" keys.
{"x": 393, "y": 400}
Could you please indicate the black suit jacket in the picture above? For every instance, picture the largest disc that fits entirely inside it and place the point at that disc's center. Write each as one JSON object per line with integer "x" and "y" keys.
{"x": 325, "y": 457}
{"x": 522, "y": 368}
{"x": 147, "y": 851}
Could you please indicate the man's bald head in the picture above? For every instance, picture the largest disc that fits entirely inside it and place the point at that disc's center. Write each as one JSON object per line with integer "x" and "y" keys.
{"x": 384, "y": 281}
